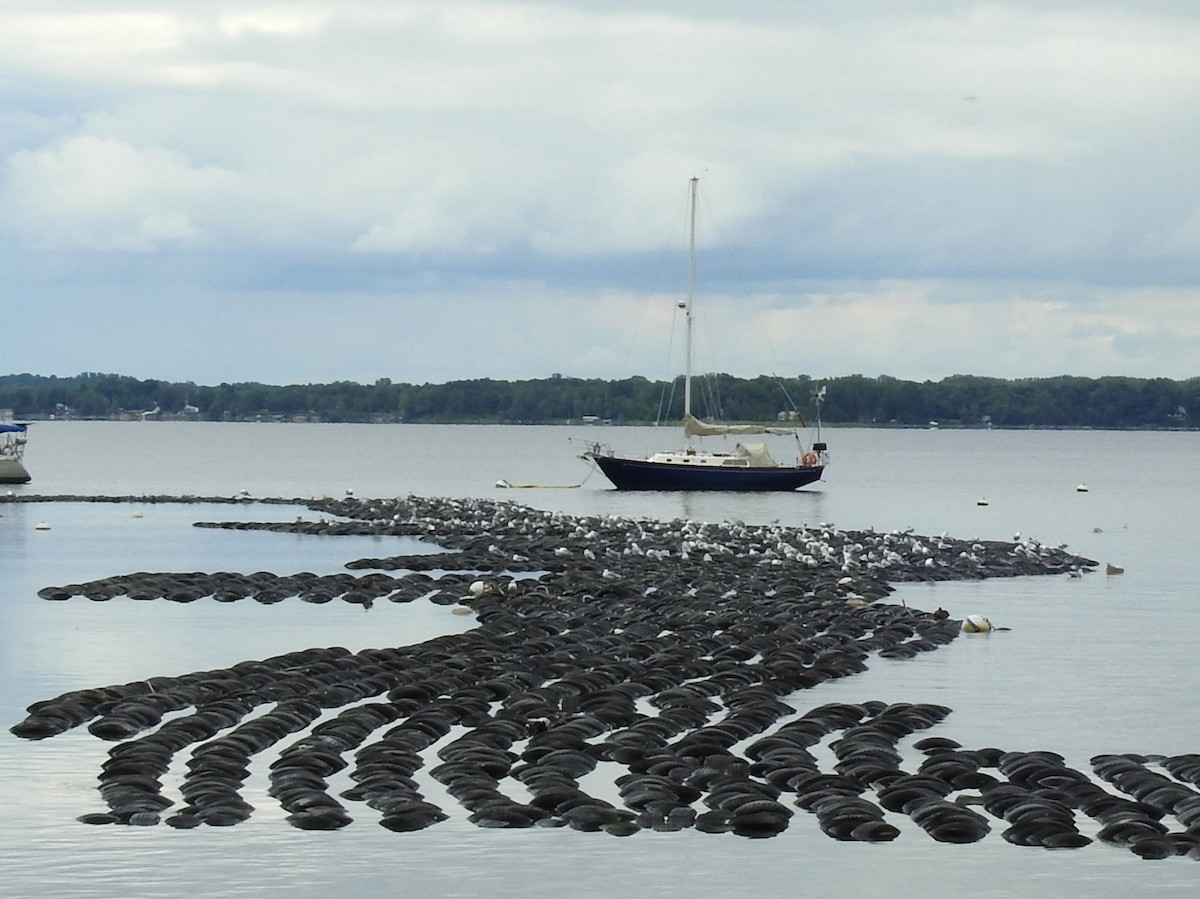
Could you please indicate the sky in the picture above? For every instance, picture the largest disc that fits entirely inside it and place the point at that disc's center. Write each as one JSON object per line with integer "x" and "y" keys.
{"x": 307, "y": 192}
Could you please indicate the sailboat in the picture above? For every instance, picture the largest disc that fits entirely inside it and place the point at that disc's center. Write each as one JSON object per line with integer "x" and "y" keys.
{"x": 748, "y": 467}
{"x": 12, "y": 449}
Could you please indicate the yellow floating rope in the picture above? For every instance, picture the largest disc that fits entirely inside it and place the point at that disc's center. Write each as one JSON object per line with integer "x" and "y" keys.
{"x": 508, "y": 484}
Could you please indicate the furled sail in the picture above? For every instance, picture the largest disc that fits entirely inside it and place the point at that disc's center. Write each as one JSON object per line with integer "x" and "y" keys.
{"x": 694, "y": 427}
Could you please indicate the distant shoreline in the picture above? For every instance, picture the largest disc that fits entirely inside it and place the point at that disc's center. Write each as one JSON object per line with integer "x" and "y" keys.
{"x": 877, "y": 426}
{"x": 957, "y": 401}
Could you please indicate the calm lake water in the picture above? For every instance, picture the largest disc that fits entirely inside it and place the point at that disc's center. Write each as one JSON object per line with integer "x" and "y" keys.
{"x": 1092, "y": 665}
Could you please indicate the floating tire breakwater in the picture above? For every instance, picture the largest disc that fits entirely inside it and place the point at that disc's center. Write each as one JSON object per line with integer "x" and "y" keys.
{"x": 622, "y": 675}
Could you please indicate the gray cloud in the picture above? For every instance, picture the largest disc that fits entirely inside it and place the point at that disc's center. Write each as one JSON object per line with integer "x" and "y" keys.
{"x": 441, "y": 190}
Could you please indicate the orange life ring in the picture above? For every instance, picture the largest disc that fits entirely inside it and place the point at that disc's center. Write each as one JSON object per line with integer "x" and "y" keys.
{"x": 808, "y": 460}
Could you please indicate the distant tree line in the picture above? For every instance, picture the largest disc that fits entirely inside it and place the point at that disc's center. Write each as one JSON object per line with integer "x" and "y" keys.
{"x": 961, "y": 400}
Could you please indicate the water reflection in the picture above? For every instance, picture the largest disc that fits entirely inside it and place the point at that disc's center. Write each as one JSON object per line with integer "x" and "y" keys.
{"x": 1091, "y": 665}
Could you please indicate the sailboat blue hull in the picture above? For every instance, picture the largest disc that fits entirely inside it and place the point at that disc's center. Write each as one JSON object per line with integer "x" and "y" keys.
{"x": 642, "y": 474}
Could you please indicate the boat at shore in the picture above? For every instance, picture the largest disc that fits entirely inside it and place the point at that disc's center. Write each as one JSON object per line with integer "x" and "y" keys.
{"x": 12, "y": 452}
{"x": 747, "y": 467}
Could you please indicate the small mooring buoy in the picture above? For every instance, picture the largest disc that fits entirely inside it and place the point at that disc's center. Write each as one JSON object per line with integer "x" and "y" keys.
{"x": 976, "y": 624}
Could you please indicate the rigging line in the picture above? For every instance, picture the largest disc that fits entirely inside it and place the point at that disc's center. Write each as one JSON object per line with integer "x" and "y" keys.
{"x": 706, "y": 380}
{"x": 758, "y": 320}
{"x": 657, "y": 270}
{"x": 671, "y": 378}
{"x": 664, "y": 258}
{"x": 669, "y": 382}
{"x": 710, "y": 380}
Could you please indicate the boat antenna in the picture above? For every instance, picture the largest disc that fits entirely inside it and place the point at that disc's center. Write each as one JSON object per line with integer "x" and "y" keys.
{"x": 819, "y": 398}
{"x": 691, "y": 295}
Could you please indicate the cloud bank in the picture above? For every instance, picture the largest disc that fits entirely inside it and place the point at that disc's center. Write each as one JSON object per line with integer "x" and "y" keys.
{"x": 429, "y": 191}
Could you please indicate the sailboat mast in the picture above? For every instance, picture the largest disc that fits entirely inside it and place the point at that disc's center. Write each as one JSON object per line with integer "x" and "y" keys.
{"x": 691, "y": 293}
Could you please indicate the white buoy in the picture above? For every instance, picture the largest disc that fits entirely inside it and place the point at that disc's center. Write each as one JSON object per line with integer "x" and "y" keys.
{"x": 976, "y": 624}
{"x": 479, "y": 588}
{"x": 461, "y": 610}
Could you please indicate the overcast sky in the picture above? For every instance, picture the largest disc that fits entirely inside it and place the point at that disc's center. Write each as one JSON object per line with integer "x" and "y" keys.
{"x": 296, "y": 191}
